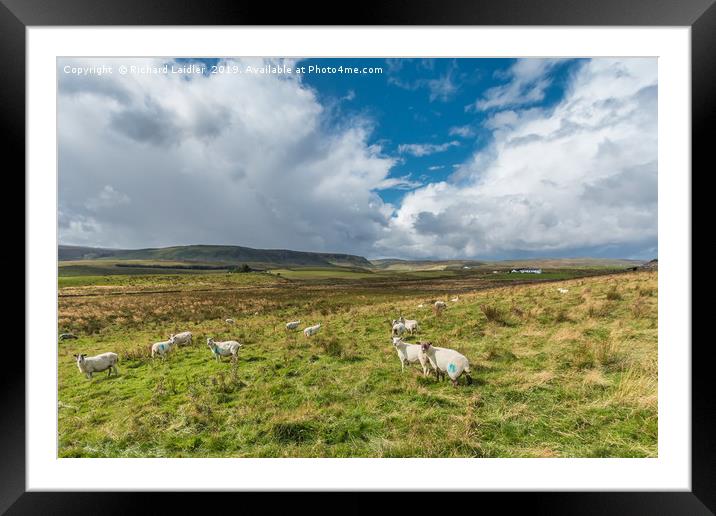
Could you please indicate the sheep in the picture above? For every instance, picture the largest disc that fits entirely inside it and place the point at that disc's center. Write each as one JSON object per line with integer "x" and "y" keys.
{"x": 162, "y": 348}
{"x": 455, "y": 299}
{"x": 229, "y": 321}
{"x": 446, "y": 360}
{"x": 421, "y": 305}
{"x": 311, "y": 330}
{"x": 67, "y": 336}
{"x": 397, "y": 329}
{"x": 182, "y": 338}
{"x": 562, "y": 290}
{"x": 411, "y": 325}
{"x": 97, "y": 364}
{"x": 409, "y": 354}
{"x": 224, "y": 349}
{"x": 293, "y": 325}
{"x": 440, "y": 306}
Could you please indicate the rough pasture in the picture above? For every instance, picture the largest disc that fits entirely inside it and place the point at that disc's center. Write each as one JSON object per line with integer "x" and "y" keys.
{"x": 563, "y": 375}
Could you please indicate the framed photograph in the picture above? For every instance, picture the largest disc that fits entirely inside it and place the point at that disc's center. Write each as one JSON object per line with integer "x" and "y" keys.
{"x": 421, "y": 253}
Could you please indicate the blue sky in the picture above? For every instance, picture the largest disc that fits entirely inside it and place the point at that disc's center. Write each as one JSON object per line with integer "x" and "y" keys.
{"x": 432, "y": 158}
{"x": 419, "y": 101}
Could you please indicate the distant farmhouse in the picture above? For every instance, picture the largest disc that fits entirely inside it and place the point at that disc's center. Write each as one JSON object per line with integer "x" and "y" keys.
{"x": 527, "y": 270}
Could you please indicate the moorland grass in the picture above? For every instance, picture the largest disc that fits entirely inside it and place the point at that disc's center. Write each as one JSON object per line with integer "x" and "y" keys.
{"x": 556, "y": 375}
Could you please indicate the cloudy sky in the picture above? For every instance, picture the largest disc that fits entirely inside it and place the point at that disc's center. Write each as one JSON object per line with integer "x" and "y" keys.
{"x": 441, "y": 158}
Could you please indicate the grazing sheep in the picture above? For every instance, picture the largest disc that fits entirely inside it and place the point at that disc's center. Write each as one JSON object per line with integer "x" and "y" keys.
{"x": 292, "y": 325}
{"x": 224, "y": 349}
{"x": 182, "y": 338}
{"x": 311, "y": 330}
{"x": 410, "y": 354}
{"x": 397, "y": 329}
{"x": 67, "y": 336}
{"x": 97, "y": 364}
{"x": 410, "y": 324}
{"x": 455, "y": 299}
{"x": 229, "y": 321}
{"x": 448, "y": 361}
{"x": 162, "y": 348}
{"x": 562, "y": 290}
{"x": 440, "y": 306}
{"x": 421, "y": 305}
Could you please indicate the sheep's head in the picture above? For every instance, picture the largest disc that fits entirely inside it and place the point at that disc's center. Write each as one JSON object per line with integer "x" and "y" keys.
{"x": 210, "y": 342}
{"x": 396, "y": 341}
{"x": 80, "y": 358}
{"x": 425, "y": 345}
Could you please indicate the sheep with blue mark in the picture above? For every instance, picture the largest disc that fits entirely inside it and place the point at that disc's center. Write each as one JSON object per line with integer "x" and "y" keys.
{"x": 448, "y": 361}
{"x": 163, "y": 347}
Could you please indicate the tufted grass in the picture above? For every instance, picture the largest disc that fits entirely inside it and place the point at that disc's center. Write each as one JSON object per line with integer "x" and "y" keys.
{"x": 556, "y": 375}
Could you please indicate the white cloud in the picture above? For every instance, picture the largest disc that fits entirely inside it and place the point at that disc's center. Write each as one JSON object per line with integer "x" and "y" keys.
{"x": 244, "y": 159}
{"x": 425, "y": 149}
{"x": 108, "y": 197}
{"x": 528, "y": 80}
{"x": 579, "y": 177}
{"x": 399, "y": 183}
{"x": 464, "y": 131}
{"x": 442, "y": 88}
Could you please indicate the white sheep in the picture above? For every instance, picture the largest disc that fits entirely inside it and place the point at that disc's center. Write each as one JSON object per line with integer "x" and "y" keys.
{"x": 397, "y": 329}
{"x": 440, "y": 306}
{"x": 421, "y": 305}
{"x": 182, "y": 338}
{"x": 562, "y": 290}
{"x": 292, "y": 325}
{"x": 311, "y": 330}
{"x": 455, "y": 299}
{"x": 97, "y": 364}
{"x": 448, "y": 361}
{"x": 411, "y": 325}
{"x": 224, "y": 349}
{"x": 163, "y": 347}
{"x": 229, "y": 321}
{"x": 410, "y": 354}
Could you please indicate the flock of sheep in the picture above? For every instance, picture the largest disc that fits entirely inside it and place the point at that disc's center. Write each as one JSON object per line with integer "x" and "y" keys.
{"x": 441, "y": 360}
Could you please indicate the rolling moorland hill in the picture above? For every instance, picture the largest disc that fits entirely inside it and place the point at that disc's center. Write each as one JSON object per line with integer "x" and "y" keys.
{"x": 227, "y": 254}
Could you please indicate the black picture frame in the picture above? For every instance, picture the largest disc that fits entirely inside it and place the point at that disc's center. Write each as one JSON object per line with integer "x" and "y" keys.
{"x": 700, "y": 15}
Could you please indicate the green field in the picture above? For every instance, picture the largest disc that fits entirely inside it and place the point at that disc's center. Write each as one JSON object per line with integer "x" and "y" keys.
{"x": 556, "y": 375}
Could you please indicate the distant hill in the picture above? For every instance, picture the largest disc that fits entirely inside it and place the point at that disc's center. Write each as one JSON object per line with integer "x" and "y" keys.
{"x": 227, "y": 254}
{"x": 397, "y": 264}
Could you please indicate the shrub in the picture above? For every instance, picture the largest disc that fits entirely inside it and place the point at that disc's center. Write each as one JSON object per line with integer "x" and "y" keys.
{"x": 330, "y": 346}
{"x": 562, "y": 316}
{"x": 494, "y": 314}
{"x": 614, "y": 295}
{"x": 639, "y": 309}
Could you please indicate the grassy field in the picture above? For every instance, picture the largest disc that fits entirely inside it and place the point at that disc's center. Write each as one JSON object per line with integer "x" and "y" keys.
{"x": 556, "y": 375}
